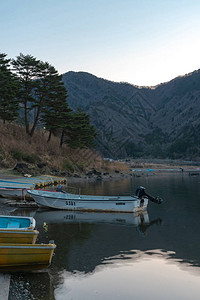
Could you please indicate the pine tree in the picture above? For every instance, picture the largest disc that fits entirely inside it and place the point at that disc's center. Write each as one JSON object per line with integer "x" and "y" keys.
{"x": 81, "y": 133}
{"x": 8, "y": 91}
{"x": 28, "y": 70}
{"x": 55, "y": 111}
{"x": 44, "y": 90}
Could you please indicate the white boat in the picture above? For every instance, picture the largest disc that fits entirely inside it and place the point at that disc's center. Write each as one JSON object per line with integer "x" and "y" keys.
{"x": 67, "y": 201}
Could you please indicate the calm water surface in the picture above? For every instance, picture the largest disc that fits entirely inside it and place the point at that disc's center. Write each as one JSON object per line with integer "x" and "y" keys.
{"x": 154, "y": 255}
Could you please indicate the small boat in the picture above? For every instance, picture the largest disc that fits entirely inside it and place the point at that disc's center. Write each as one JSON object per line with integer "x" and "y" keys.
{"x": 16, "y": 222}
{"x": 63, "y": 200}
{"x": 14, "y": 193}
{"x": 22, "y": 256}
{"x": 17, "y": 229}
{"x": 60, "y": 200}
{"x": 18, "y": 236}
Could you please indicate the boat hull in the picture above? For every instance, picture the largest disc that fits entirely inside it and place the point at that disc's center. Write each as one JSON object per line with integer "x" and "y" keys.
{"x": 14, "y": 193}
{"x": 24, "y": 255}
{"x": 59, "y": 200}
{"x": 18, "y": 236}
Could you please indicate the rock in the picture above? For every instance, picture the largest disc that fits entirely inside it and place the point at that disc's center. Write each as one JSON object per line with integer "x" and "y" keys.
{"x": 41, "y": 165}
{"x": 65, "y": 173}
{"x": 77, "y": 176}
{"x": 90, "y": 173}
{"x": 106, "y": 173}
{"x": 20, "y": 166}
{"x": 116, "y": 171}
{"x": 94, "y": 171}
{"x": 99, "y": 178}
{"x": 98, "y": 173}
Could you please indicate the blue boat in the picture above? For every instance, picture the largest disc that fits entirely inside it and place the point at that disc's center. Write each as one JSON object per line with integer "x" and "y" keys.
{"x": 16, "y": 222}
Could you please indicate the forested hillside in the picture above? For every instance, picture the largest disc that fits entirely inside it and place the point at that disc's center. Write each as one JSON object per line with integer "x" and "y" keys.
{"x": 161, "y": 121}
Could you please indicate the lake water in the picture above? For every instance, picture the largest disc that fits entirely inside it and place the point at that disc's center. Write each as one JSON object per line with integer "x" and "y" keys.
{"x": 154, "y": 255}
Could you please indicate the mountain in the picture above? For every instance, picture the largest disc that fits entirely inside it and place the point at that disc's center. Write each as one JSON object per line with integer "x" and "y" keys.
{"x": 161, "y": 121}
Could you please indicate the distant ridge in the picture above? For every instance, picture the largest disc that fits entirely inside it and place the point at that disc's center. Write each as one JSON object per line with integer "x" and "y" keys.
{"x": 160, "y": 121}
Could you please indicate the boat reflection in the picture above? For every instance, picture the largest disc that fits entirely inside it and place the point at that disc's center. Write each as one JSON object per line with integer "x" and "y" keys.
{"x": 59, "y": 216}
{"x": 85, "y": 239}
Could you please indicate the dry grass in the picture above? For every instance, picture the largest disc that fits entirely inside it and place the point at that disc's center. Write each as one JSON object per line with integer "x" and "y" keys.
{"x": 17, "y": 146}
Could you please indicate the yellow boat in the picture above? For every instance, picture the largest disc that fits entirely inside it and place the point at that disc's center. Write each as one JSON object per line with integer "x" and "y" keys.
{"x": 18, "y": 236}
{"x": 25, "y": 256}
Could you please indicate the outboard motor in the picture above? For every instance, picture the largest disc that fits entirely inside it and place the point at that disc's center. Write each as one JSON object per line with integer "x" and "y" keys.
{"x": 140, "y": 193}
{"x": 59, "y": 188}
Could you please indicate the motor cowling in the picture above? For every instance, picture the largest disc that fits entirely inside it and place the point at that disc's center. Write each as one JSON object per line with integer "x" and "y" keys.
{"x": 140, "y": 193}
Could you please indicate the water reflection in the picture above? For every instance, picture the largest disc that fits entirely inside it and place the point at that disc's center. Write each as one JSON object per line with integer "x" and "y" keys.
{"x": 84, "y": 239}
{"x": 142, "y": 275}
{"x": 153, "y": 255}
{"x": 62, "y": 216}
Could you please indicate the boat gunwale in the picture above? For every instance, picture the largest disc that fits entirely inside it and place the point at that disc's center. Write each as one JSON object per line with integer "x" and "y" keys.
{"x": 109, "y": 199}
{"x": 19, "y": 231}
{"x": 27, "y": 246}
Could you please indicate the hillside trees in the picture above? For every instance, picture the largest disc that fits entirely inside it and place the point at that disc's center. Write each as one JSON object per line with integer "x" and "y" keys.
{"x": 38, "y": 90}
{"x": 9, "y": 86}
{"x": 27, "y": 68}
{"x": 55, "y": 112}
{"x": 41, "y": 90}
{"x": 81, "y": 133}
{"x": 51, "y": 100}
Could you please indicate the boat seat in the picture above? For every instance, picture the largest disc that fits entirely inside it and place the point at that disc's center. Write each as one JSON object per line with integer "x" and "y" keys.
{"x": 12, "y": 224}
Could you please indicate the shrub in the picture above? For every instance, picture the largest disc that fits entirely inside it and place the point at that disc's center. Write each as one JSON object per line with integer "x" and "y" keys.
{"x": 67, "y": 165}
{"x": 16, "y": 154}
{"x": 31, "y": 158}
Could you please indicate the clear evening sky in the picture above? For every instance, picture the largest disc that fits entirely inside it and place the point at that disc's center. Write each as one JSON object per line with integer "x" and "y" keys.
{"x": 143, "y": 42}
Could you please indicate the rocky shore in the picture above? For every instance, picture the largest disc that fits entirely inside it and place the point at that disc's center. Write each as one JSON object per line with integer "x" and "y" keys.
{"x": 133, "y": 168}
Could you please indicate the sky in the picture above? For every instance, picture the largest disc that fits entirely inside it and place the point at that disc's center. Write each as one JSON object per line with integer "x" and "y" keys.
{"x": 142, "y": 42}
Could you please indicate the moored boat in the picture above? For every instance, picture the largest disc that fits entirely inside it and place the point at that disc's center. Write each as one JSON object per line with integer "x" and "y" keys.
{"x": 18, "y": 236}
{"x": 25, "y": 255}
{"x": 14, "y": 193}
{"x": 14, "y": 222}
{"x": 67, "y": 201}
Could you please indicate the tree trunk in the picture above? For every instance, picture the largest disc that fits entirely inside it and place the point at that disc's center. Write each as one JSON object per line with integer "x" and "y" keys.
{"x": 49, "y": 138}
{"x": 26, "y": 117}
{"x": 62, "y": 137}
{"x": 35, "y": 122}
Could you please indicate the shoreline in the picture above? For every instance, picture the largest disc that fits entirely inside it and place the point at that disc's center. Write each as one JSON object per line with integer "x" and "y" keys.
{"x": 136, "y": 169}
{"x": 137, "y": 173}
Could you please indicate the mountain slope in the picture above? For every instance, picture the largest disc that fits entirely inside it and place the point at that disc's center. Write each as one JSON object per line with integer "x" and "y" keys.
{"x": 140, "y": 121}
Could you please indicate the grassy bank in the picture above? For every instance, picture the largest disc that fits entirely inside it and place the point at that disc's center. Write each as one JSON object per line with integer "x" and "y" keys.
{"x": 48, "y": 158}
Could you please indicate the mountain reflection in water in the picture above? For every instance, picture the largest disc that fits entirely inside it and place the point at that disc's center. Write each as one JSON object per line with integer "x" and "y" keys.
{"x": 142, "y": 275}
